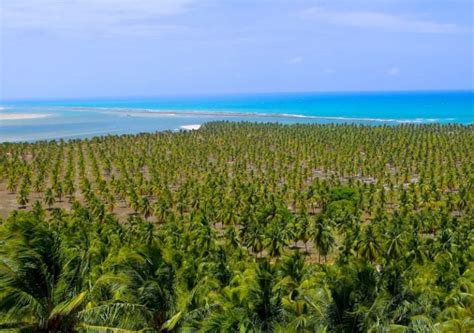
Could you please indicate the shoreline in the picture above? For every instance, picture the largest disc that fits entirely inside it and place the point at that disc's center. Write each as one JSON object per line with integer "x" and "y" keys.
{"x": 100, "y": 133}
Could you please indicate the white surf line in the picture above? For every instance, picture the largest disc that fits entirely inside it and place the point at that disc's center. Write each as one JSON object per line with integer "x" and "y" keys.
{"x": 199, "y": 113}
{"x": 190, "y": 127}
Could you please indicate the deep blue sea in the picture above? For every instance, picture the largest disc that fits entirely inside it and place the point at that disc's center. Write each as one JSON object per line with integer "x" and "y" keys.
{"x": 83, "y": 118}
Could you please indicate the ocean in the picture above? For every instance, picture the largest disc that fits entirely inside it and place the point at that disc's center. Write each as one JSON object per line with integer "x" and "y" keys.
{"x": 83, "y": 118}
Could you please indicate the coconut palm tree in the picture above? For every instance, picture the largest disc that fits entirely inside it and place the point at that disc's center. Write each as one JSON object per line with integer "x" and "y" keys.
{"x": 32, "y": 283}
{"x": 275, "y": 241}
{"x": 145, "y": 207}
{"x": 49, "y": 197}
{"x": 22, "y": 197}
{"x": 369, "y": 246}
{"x": 323, "y": 239}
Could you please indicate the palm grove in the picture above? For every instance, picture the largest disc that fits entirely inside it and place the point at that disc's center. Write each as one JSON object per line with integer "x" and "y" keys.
{"x": 241, "y": 227}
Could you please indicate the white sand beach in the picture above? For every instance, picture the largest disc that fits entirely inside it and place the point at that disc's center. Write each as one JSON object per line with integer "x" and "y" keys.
{"x": 190, "y": 127}
{"x": 20, "y": 116}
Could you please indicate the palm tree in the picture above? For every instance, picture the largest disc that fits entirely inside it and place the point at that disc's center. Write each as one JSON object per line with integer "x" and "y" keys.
{"x": 145, "y": 207}
{"x": 250, "y": 303}
{"x": 34, "y": 291}
{"x": 323, "y": 239}
{"x": 146, "y": 282}
{"x": 38, "y": 210}
{"x": 306, "y": 310}
{"x": 49, "y": 197}
{"x": 160, "y": 209}
{"x": 303, "y": 231}
{"x": 232, "y": 237}
{"x": 69, "y": 189}
{"x": 368, "y": 246}
{"x": 12, "y": 184}
{"x": 22, "y": 197}
{"x": 58, "y": 189}
{"x": 275, "y": 241}
{"x": 395, "y": 246}
{"x": 253, "y": 239}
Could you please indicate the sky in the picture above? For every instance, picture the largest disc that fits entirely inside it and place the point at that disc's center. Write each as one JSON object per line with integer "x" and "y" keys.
{"x": 123, "y": 48}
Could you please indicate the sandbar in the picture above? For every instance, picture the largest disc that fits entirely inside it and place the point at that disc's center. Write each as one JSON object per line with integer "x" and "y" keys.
{"x": 20, "y": 116}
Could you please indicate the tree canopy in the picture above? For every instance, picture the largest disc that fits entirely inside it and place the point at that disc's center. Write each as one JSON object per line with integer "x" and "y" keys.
{"x": 241, "y": 227}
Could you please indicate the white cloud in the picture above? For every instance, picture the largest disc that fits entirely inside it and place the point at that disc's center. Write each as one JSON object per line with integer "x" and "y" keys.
{"x": 393, "y": 71}
{"x": 377, "y": 20}
{"x": 296, "y": 60}
{"x": 329, "y": 71}
{"x": 131, "y": 17}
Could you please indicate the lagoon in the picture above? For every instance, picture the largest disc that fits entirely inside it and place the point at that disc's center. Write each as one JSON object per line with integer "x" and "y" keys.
{"x": 83, "y": 118}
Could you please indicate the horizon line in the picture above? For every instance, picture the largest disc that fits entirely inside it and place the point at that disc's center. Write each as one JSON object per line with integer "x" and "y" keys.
{"x": 224, "y": 94}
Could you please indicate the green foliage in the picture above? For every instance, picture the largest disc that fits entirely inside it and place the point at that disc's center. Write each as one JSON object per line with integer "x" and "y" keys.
{"x": 241, "y": 227}
{"x": 344, "y": 193}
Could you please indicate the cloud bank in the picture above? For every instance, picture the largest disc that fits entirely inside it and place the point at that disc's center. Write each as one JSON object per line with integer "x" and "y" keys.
{"x": 129, "y": 17}
{"x": 377, "y": 20}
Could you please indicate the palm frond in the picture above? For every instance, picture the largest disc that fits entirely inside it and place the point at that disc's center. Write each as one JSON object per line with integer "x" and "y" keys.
{"x": 67, "y": 307}
{"x": 85, "y": 328}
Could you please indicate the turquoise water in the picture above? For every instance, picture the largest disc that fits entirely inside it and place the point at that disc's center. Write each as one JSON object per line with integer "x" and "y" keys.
{"x": 91, "y": 117}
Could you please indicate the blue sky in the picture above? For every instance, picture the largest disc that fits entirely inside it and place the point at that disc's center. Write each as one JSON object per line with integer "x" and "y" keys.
{"x": 103, "y": 48}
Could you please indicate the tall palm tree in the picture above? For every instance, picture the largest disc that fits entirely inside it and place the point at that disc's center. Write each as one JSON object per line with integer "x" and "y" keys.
{"x": 369, "y": 246}
{"x": 395, "y": 246}
{"x": 33, "y": 289}
{"x": 145, "y": 207}
{"x": 22, "y": 197}
{"x": 323, "y": 239}
{"x": 252, "y": 302}
{"x": 49, "y": 197}
{"x": 275, "y": 241}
